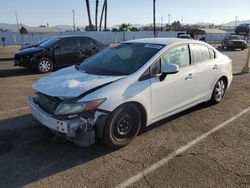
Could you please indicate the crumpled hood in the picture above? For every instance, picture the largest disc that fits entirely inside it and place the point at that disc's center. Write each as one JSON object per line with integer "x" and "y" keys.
{"x": 69, "y": 83}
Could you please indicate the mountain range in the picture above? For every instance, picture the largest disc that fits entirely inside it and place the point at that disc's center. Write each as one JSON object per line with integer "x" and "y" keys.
{"x": 13, "y": 27}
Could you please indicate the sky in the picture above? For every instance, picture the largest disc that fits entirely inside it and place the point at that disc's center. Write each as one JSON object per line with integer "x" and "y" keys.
{"x": 59, "y": 12}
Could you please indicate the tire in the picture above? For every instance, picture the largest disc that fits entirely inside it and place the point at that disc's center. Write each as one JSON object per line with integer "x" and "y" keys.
{"x": 242, "y": 48}
{"x": 44, "y": 65}
{"x": 219, "y": 91}
{"x": 122, "y": 126}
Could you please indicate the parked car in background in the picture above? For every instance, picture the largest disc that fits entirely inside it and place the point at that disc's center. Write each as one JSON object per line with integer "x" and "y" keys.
{"x": 30, "y": 45}
{"x": 114, "y": 93}
{"x": 184, "y": 36}
{"x": 58, "y": 52}
{"x": 233, "y": 42}
{"x": 243, "y": 28}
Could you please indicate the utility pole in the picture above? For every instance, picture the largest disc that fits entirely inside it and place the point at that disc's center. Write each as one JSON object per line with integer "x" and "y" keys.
{"x": 169, "y": 17}
{"x": 74, "y": 24}
{"x": 17, "y": 23}
{"x": 236, "y": 20}
{"x": 154, "y": 17}
{"x": 161, "y": 23}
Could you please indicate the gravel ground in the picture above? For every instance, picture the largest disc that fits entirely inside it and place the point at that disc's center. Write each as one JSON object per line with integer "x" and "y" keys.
{"x": 31, "y": 156}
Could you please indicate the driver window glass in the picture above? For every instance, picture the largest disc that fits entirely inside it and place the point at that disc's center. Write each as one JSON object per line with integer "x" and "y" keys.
{"x": 68, "y": 43}
{"x": 178, "y": 55}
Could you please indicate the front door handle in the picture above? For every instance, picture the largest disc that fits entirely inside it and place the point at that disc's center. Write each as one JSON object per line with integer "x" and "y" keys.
{"x": 189, "y": 77}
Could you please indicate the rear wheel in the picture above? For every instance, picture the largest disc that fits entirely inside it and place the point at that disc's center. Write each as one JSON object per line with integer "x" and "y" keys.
{"x": 219, "y": 91}
{"x": 44, "y": 65}
{"x": 122, "y": 126}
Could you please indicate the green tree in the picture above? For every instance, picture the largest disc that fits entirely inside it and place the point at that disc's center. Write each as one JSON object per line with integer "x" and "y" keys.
{"x": 176, "y": 25}
{"x": 134, "y": 29}
{"x": 125, "y": 27}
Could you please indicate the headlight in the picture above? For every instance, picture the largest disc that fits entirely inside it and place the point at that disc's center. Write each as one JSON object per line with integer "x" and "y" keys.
{"x": 75, "y": 108}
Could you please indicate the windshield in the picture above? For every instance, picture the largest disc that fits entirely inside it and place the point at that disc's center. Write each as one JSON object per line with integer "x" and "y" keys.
{"x": 44, "y": 40}
{"x": 234, "y": 38}
{"x": 122, "y": 59}
{"x": 49, "y": 42}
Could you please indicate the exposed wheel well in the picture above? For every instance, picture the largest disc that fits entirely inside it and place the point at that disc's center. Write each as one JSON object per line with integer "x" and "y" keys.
{"x": 225, "y": 79}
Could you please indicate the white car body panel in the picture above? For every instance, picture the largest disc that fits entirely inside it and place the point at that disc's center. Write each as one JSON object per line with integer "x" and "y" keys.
{"x": 190, "y": 86}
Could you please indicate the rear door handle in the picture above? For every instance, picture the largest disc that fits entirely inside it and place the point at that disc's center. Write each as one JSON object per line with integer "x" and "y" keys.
{"x": 189, "y": 77}
{"x": 215, "y": 67}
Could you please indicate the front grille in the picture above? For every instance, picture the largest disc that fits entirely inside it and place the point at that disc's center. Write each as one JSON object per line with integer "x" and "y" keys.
{"x": 48, "y": 103}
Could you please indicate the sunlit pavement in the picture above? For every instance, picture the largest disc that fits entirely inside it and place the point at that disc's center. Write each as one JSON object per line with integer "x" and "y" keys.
{"x": 31, "y": 156}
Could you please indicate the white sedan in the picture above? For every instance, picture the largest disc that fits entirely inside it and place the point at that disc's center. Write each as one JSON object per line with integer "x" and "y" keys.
{"x": 113, "y": 94}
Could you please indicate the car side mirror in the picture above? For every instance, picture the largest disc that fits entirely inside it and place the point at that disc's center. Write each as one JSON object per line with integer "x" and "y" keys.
{"x": 168, "y": 68}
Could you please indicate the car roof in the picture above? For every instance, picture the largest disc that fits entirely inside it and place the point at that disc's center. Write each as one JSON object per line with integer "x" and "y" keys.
{"x": 163, "y": 41}
{"x": 72, "y": 36}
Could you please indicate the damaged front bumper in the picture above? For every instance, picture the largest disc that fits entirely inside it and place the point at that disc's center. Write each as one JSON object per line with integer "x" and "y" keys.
{"x": 79, "y": 130}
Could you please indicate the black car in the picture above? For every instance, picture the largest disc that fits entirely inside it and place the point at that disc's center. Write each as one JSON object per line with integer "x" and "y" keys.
{"x": 233, "y": 42}
{"x": 30, "y": 45}
{"x": 243, "y": 28}
{"x": 58, "y": 52}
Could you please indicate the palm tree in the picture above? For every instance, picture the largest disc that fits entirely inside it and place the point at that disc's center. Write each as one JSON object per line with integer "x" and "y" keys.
{"x": 89, "y": 16}
{"x": 106, "y": 12}
{"x": 96, "y": 13}
{"x": 103, "y": 9}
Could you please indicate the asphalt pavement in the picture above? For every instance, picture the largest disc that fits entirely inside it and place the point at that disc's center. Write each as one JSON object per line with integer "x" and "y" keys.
{"x": 31, "y": 156}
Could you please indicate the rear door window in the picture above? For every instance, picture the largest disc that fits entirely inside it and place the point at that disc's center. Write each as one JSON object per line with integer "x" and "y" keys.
{"x": 200, "y": 53}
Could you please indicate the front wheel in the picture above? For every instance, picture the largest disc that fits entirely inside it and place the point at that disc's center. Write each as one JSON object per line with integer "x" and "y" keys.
{"x": 122, "y": 126}
{"x": 219, "y": 91}
{"x": 44, "y": 65}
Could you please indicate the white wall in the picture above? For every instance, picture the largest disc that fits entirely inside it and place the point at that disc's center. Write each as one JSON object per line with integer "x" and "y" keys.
{"x": 104, "y": 37}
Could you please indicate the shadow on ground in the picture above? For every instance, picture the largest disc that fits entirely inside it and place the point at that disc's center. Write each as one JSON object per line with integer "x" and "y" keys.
{"x": 30, "y": 152}
{"x": 16, "y": 72}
